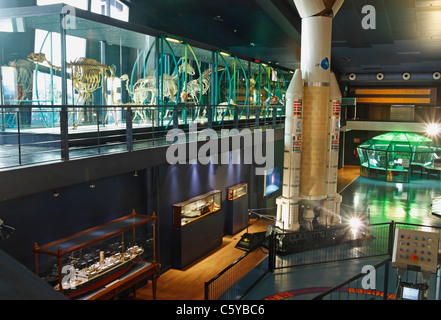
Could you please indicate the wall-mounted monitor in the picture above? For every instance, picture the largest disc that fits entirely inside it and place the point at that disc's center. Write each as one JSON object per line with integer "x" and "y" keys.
{"x": 271, "y": 181}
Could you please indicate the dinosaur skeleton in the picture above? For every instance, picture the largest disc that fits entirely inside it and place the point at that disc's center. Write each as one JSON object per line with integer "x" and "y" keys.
{"x": 88, "y": 75}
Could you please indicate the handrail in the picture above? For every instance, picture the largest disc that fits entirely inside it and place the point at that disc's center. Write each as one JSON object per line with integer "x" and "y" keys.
{"x": 358, "y": 276}
{"x": 231, "y": 266}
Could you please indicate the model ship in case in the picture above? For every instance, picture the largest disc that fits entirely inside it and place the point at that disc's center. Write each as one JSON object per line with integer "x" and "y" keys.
{"x": 106, "y": 270}
{"x": 89, "y": 260}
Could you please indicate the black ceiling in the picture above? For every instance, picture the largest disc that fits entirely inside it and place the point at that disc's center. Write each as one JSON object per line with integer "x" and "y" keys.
{"x": 407, "y": 37}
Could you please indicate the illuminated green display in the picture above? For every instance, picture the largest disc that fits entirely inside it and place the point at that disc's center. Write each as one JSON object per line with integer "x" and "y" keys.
{"x": 394, "y": 156}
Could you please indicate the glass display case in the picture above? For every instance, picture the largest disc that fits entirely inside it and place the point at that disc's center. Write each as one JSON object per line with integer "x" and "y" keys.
{"x": 237, "y": 191}
{"x": 394, "y": 156}
{"x": 51, "y": 58}
{"x": 84, "y": 79}
{"x": 236, "y": 214}
{"x": 196, "y": 208}
{"x": 89, "y": 260}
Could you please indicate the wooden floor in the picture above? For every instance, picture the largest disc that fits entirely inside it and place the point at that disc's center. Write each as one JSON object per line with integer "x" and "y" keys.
{"x": 188, "y": 284}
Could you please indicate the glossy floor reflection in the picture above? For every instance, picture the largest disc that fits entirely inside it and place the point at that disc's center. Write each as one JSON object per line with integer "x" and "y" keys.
{"x": 385, "y": 201}
{"x": 401, "y": 202}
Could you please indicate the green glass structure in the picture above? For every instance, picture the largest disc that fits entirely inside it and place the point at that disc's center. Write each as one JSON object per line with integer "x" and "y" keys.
{"x": 395, "y": 156}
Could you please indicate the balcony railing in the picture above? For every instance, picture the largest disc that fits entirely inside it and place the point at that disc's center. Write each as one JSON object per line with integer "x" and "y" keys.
{"x": 34, "y": 134}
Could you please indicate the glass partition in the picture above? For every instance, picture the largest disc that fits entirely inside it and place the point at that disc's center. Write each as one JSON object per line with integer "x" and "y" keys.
{"x": 395, "y": 156}
{"x": 79, "y": 89}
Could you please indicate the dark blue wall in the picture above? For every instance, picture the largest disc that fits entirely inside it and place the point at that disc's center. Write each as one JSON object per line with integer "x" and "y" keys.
{"x": 43, "y": 218}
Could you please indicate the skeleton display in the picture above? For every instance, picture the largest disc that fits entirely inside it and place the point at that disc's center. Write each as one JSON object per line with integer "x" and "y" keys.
{"x": 24, "y": 71}
{"x": 88, "y": 75}
{"x": 145, "y": 87}
{"x": 139, "y": 94}
{"x": 194, "y": 86}
{"x": 169, "y": 83}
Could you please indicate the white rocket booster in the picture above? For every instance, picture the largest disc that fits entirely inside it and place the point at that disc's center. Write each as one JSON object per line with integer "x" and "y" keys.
{"x": 312, "y": 127}
{"x": 288, "y": 203}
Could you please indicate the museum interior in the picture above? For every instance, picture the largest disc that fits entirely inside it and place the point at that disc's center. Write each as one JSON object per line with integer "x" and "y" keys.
{"x": 176, "y": 150}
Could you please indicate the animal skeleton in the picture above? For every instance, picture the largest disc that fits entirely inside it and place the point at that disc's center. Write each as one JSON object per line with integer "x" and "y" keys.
{"x": 144, "y": 86}
{"x": 24, "y": 70}
{"x": 88, "y": 75}
{"x": 194, "y": 86}
{"x": 139, "y": 94}
{"x": 169, "y": 82}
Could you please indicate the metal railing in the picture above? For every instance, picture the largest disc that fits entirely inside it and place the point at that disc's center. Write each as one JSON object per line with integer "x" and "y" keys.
{"x": 236, "y": 280}
{"x": 378, "y": 244}
{"x": 32, "y": 134}
{"x": 353, "y": 289}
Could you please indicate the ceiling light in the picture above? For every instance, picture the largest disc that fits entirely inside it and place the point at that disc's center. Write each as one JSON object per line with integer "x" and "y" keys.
{"x": 218, "y": 18}
{"x": 173, "y": 40}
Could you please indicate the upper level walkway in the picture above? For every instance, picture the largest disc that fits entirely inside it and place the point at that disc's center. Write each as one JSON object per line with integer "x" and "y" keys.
{"x": 31, "y": 135}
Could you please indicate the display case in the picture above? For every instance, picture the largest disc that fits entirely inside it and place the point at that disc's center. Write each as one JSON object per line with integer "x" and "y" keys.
{"x": 196, "y": 208}
{"x": 53, "y": 58}
{"x": 394, "y": 156}
{"x": 237, "y": 191}
{"x": 236, "y": 215}
{"x": 198, "y": 228}
{"x": 85, "y": 262}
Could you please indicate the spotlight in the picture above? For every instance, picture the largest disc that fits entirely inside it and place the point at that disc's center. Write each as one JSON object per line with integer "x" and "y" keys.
{"x": 92, "y": 185}
{"x": 433, "y": 129}
{"x": 355, "y": 224}
{"x": 135, "y": 174}
{"x": 56, "y": 194}
{"x": 5, "y": 231}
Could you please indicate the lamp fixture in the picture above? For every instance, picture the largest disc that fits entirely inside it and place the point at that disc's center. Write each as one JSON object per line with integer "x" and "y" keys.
{"x": 173, "y": 40}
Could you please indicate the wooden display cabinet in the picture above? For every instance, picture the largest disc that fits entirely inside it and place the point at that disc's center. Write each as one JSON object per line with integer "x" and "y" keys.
{"x": 87, "y": 264}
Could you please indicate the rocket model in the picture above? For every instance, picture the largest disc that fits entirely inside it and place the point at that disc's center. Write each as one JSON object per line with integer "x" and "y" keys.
{"x": 312, "y": 127}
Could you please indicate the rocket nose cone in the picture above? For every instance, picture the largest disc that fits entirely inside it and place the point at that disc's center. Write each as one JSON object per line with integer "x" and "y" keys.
{"x": 295, "y": 87}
